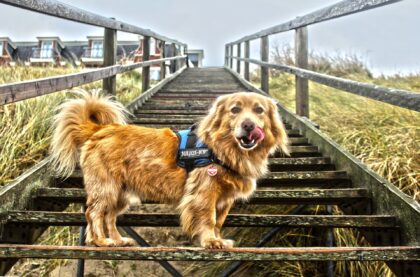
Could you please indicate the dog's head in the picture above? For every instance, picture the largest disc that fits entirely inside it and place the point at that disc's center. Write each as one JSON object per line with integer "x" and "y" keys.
{"x": 248, "y": 122}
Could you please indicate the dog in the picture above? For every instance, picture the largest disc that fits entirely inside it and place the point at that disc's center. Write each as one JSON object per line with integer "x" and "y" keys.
{"x": 119, "y": 161}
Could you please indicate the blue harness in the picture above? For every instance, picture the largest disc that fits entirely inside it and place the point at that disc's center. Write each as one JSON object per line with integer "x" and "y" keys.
{"x": 192, "y": 152}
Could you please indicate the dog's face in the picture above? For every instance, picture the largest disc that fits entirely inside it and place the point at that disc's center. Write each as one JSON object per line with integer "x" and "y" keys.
{"x": 247, "y": 121}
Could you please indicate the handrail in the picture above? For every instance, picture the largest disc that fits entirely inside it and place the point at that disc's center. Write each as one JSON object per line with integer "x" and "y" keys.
{"x": 64, "y": 11}
{"x": 339, "y": 9}
{"x": 400, "y": 98}
{"x": 396, "y": 97}
{"x": 10, "y": 93}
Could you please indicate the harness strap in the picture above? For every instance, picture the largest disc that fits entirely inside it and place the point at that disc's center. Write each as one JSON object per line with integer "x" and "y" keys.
{"x": 191, "y": 140}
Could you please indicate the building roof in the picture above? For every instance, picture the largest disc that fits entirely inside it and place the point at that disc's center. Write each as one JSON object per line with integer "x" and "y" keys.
{"x": 9, "y": 41}
{"x": 52, "y": 38}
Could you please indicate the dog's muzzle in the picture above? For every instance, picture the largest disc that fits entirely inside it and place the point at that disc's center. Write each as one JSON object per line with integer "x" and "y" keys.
{"x": 251, "y": 136}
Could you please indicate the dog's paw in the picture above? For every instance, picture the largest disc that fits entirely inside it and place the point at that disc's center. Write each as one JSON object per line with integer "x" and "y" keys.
{"x": 126, "y": 242}
{"x": 229, "y": 243}
{"x": 105, "y": 242}
{"x": 217, "y": 243}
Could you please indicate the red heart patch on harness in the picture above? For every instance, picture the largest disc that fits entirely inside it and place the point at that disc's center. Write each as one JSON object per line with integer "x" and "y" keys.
{"x": 212, "y": 170}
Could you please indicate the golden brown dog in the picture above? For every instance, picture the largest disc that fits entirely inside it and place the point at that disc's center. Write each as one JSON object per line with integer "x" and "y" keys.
{"x": 120, "y": 160}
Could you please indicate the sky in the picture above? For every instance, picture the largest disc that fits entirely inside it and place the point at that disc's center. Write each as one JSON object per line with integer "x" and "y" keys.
{"x": 386, "y": 38}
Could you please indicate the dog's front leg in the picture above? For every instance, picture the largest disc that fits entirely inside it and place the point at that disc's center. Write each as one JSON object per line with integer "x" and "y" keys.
{"x": 198, "y": 210}
{"x": 222, "y": 210}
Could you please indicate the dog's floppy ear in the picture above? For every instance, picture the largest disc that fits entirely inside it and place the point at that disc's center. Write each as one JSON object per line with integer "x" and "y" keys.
{"x": 277, "y": 127}
{"x": 213, "y": 119}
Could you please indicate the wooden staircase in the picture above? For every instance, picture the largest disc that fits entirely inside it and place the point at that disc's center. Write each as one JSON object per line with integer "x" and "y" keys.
{"x": 310, "y": 176}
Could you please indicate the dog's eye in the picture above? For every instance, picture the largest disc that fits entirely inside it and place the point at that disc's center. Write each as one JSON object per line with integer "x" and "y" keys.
{"x": 235, "y": 110}
{"x": 259, "y": 110}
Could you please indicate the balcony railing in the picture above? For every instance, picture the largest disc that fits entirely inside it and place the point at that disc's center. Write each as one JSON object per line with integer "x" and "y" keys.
{"x": 43, "y": 53}
{"x": 93, "y": 53}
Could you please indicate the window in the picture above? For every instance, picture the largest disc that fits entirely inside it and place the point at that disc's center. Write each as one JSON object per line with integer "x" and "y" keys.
{"x": 46, "y": 49}
{"x": 1, "y": 48}
{"x": 97, "y": 49}
{"x": 152, "y": 46}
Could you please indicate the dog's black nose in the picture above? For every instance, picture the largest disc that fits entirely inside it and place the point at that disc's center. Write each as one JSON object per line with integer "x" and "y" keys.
{"x": 248, "y": 125}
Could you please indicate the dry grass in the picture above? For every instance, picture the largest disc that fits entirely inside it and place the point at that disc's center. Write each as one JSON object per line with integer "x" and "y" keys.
{"x": 25, "y": 126}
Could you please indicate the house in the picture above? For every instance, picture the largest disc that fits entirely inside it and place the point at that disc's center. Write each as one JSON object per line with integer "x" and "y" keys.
{"x": 196, "y": 56}
{"x": 50, "y": 51}
{"x": 156, "y": 47}
{"x": 7, "y": 51}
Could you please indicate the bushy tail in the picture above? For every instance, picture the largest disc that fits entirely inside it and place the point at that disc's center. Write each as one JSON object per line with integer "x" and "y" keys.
{"x": 78, "y": 119}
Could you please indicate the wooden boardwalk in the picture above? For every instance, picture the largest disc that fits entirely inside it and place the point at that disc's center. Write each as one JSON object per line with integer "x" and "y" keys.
{"x": 307, "y": 178}
{"x": 319, "y": 173}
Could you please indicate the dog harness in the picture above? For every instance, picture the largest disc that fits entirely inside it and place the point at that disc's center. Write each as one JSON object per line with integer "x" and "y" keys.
{"x": 193, "y": 153}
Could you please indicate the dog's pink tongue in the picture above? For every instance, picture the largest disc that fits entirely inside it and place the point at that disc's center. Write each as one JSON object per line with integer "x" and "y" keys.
{"x": 257, "y": 134}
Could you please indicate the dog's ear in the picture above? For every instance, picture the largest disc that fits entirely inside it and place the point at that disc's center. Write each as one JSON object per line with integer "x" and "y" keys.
{"x": 213, "y": 119}
{"x": 277, "y": 127}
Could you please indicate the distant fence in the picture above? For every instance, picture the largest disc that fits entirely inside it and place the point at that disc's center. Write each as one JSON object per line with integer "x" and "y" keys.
{"x": 10, "y": 93}
{"x": 401, "y": 98}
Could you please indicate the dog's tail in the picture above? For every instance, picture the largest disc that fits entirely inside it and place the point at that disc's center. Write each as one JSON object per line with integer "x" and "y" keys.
{"x": 77, "y": 120}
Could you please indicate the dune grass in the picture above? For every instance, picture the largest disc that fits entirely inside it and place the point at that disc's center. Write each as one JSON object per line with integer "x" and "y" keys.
{"x": 25, "y": 126}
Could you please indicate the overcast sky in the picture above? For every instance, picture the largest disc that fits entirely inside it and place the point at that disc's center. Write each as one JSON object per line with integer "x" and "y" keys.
{"x": 387, "y": 38}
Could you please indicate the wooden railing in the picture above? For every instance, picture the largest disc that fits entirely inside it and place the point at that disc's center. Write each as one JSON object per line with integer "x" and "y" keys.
{"x": 10, "y": 93}
{"x": 401, "y": 98}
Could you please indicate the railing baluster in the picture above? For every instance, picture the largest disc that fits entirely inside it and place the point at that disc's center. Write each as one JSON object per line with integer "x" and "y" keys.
{"x": 231, "y": 54}
{"x": 163, "y": 64}
{"x": 246, "y": 64}
{"x": 146, "y": 70}
{"x": 265, "y": 49}
{"x": 110, "y": 58}
{"x": 238, "y": 62}
{"x": 301, "y": 59}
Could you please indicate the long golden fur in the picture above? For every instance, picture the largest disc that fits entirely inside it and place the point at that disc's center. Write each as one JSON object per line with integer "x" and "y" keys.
{"x": 120, "y": 160}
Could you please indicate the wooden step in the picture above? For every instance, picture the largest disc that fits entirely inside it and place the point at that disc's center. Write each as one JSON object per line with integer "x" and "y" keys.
{"x": 176, "y": 127}
{"x": 286, "y": 176}
{"x": 202, "y": 90}
{"x": 308, "y": 163}
{"x": 168, "y": 120}
{"x": 45, "y": 218}
{"x": 295, "y": 176}
{"x": 383, "y": 253}
{"x": 315, "y": 196}
{"x": 145, "y": 110}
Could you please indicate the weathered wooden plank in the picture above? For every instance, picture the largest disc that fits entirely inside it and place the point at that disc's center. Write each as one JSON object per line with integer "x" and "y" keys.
{"x": 145, "y": 74}
{"x": 301, "y": 58}
{"x": 129, "y": 67}
{"x": 146, "y": 95}
{"x": 64, "y": 11}
{"x": 397, "y": 97}
{"x": 232, "y": 220}
{"x": 316, "y": 196}
{"x": 265, "y": 55}
{"x": 339, "y": 9}
{"x": 389, "y": 253}
{"x": 238, "y": 62}
{"x": 300, "y": 161}
{"x": 163, "y": 64}
{"x": 110, "y": 58}
{"x": 246, "y": 64}
{"x": 14, "y": 92}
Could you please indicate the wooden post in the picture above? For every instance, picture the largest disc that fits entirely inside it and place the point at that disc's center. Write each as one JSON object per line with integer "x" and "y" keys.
{"x": 110, "y": 58}
{"x": 146, "y": 70}
{"x": 238, "y": 62}
{"x": 231, "y": 54}
{"x": 301, "y": 58}
{"x": 226, "y": 55}
{"x": 173, "y": 63}
{"x": 163, "y": 64}
{"x": 264, "y": 70}
{"x": 246, "y": 64}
